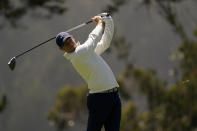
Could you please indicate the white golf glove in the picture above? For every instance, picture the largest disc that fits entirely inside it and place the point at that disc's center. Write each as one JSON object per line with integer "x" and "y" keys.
{"x": 105, "y": 15}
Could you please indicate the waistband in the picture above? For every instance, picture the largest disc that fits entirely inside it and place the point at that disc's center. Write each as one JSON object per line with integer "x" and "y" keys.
{"x": 115, "y": 89}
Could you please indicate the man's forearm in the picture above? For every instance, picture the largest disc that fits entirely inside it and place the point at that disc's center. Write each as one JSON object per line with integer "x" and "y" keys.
{"x": 107, "y": 35}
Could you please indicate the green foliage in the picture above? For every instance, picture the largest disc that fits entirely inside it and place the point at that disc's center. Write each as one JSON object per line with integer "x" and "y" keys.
{"x": 170, "y": 108}
{"x": 169, "y": 13}
{"x": 70, "y": 105}
{"x": 195, "y": 33}
{"x": 12, "y": 12}
{"x": 3, "y": 103}
{"x": 189, "y": 62}
{"x": 123, "y": 91}
{"x": 122, "y": 46}
{"x": 181, "y": 101}
{"x": 151, "y": 120}
{"x": 178, "y": 108}
{"x": 129, "y": 120}
{"x": 148, "y": 84}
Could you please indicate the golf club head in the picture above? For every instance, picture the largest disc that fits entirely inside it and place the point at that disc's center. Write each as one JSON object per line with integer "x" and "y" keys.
{"x": 12, "y": 63}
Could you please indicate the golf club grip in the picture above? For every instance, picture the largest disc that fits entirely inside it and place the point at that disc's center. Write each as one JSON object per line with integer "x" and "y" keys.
{"x": 91, "y": 20}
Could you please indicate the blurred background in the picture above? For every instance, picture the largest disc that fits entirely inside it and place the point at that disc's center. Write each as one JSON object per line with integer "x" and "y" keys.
{"x": 153, "y": 55}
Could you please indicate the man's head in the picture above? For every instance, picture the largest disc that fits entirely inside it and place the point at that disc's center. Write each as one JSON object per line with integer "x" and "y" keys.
{"x": 66, "y": 42}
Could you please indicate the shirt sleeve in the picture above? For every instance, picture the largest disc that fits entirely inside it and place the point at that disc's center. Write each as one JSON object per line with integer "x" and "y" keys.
{"x": 92, "y": 41}
{"x": 105, "y": 41}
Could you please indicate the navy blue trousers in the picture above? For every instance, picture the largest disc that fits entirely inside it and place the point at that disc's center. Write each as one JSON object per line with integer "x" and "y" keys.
{"x": 104, "y": 110}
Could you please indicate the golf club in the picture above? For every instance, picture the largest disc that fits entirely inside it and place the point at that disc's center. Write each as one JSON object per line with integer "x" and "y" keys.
{"x": 12, "y": 62}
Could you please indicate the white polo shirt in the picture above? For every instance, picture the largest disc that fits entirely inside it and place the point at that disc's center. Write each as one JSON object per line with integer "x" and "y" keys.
{"x": 89, "y": 64}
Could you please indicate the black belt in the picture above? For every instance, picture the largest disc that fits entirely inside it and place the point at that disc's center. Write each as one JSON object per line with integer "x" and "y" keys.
{"x": 115, "y": 89}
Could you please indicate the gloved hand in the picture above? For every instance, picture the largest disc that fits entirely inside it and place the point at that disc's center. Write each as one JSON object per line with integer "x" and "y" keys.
{"x": 104, "y": 15}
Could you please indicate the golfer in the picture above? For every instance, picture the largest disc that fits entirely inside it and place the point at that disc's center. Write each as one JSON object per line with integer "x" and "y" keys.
{"x": 103, "y": 100}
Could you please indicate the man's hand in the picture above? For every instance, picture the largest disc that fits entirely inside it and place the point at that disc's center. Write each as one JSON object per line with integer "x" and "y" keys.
{"x": 97, "y": 20}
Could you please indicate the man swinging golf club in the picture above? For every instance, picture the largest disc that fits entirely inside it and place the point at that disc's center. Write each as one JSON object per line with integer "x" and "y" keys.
{"x": 103, "y": 100}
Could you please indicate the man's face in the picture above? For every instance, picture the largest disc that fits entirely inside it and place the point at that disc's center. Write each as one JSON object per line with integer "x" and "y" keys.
{"x": 69, "y": 45}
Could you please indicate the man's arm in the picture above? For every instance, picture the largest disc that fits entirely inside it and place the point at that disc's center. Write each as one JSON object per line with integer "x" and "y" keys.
{"x": 94, "y": 36}
{"x": 107, "y": 36}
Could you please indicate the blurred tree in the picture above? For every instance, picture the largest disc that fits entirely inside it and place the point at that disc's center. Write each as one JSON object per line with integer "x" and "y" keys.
{"x": 168, "y": 11}
{"x": 148, "y": 83}
{"x": 130, "y": 118}
{"x": 3, "y": 103}
{"x": 172, "y": 108}
{"x": 69, "y": 106}
{"x": 181, "y": 98}
{"x": 13, "y": 11}
{"x": 123, "y": 47}
{"x": 154, "y": 90}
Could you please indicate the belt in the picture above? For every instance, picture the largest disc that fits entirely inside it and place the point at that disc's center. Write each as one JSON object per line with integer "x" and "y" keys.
{"x": 115, "y": 89}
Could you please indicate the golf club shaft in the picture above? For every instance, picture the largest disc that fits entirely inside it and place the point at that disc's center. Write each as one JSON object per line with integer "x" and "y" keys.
{"x": 74, "y": 28}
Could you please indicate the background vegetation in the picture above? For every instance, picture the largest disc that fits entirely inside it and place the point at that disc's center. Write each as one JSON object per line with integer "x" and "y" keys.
{"x": 150, "y": 103}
